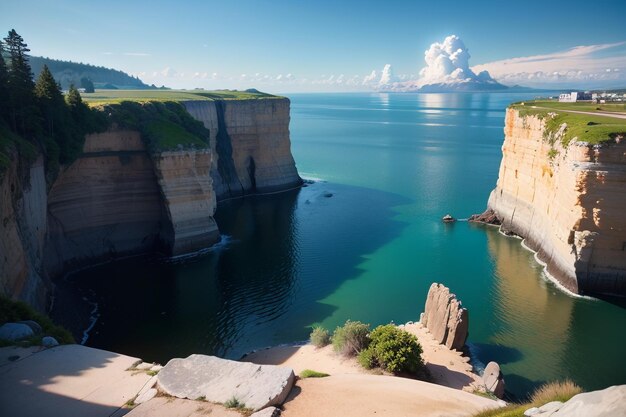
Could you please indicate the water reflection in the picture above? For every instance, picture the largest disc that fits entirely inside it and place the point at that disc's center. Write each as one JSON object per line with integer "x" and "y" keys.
{"x": 530, "y": 315}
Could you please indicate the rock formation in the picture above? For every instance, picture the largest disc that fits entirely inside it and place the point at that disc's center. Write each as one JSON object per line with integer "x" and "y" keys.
{"x": 250, "y": 141}
{"x": 445, "y": 317}
{"x": 609, "y": 402}
{"x": 493, "y": 379}
{"x": 119, "y": 199}
{"x": 220, "y": 380}
{"x": 566, "y": 202}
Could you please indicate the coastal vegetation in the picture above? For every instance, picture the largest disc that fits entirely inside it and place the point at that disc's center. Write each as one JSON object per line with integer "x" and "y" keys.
{"x": 320, "y": 337}
{"x": 552, "y": 391}
{"x": 16, "y": 311}
{"x": 309, "y": 373}
{"x": 351, "y": 338}
{"x": 593, "y": 129}
{"x": 118, "y": 96}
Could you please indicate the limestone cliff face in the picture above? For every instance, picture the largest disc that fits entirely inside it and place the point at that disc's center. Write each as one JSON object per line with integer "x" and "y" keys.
{"x": 567, "y": 202}
{"x": 252, "y": 147}
{"x": 106, "y": 204}
{"x": 187, "y": 188}
{"x": 23, "y": 202}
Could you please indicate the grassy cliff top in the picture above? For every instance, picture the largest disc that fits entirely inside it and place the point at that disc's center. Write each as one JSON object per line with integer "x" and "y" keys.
{"x": 117, "y": 96}
{"x": 599, "y": 123}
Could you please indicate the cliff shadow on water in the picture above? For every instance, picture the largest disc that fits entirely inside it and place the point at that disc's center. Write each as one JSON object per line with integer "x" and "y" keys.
{"x": 260, "y": 287}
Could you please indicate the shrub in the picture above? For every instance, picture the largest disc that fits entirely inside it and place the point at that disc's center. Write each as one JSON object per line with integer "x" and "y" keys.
{"x": 234, "y": 403}
{"x": 395, "y": 350}
{"x": 555, "y": 391}
{"x": 309, "y": 373}
{"x": 366, "y": 359}
{"x": 320, "y": 337}
{"x": 351, "y": 338}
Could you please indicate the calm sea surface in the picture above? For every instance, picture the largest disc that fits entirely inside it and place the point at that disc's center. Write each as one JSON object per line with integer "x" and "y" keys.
{"x": 394, "y": 164}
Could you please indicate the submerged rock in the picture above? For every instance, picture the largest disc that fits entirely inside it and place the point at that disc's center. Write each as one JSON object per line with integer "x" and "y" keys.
{"x": 220, "y": 380}
{"x": 445, "y": 317}
{"x": 493, "y": 379}
{"x": 488, "y": 217}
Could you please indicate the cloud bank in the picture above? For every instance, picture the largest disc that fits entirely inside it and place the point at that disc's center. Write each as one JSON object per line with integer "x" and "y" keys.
{"x": 590, "y": 65}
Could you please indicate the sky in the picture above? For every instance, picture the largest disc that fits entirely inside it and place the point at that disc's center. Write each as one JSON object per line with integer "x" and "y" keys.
{"x": 291, "y": 46}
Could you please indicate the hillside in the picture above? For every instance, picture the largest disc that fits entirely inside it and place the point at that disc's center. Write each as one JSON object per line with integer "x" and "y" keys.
{"x": 67, "y": 72}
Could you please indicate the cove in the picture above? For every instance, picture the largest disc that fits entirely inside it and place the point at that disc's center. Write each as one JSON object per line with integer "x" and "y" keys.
{"x": 394, "y": 164}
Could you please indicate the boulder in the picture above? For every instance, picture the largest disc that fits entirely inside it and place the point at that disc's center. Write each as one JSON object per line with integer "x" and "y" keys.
{"x": 609, "y": 402}
{"x": 146, "y": 396}
{"x": 219, "y": 380}
{"x": 267, "y": 412}
{"x": 15, "y": 331}
{"x": 445, "y": 317}
{"x": 36, "y": 328}
{"x": 49, "y": 341}
{"x": 493, "y": 379}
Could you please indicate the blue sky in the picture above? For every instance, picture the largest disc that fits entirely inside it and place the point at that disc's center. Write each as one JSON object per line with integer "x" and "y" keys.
{"x": 297, "y": 45}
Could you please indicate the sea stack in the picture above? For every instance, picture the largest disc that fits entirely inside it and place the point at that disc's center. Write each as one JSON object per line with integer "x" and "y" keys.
{"x": 445, "y": 317}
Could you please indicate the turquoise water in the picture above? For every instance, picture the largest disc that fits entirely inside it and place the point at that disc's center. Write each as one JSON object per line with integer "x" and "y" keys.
{"x": 365, "y": 242}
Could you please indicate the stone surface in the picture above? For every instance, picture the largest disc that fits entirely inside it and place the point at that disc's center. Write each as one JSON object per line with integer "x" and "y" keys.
{"x": 69, "y": 380}
{"x": 445, "y": 317}
{"x": 156, "y": 368}
{"x": 531, "y": 411}
{"x": 23, "y": 212}
{"x": 267, "y": 412}
{"x": 146, "y": 396}
{"x": 49, "y": 341}
{"x": 15, "y": 331}
{"x": 493, "y": 379}
{"x": 144, "y": 365}
{"x": 33, "y": 325}
{"x": 569, "y": 208}
{"x": 488, "y": 217}
{"x": 609, "y": 402}
{"x": 176, "y": 407}
{"x": 250, "y": 143}
{"x": 219, "y": 380}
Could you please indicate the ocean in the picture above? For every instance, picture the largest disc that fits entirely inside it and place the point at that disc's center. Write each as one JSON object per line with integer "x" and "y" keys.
{"x": 364, "y": 241}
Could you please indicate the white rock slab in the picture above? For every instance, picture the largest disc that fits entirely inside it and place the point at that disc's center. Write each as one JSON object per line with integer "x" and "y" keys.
{"x": 219, "y": 380}
{"x": 146, "y": 396}
{"x": 609, "y": 402}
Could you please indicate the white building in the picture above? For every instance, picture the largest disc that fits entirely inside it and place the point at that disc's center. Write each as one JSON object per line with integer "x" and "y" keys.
{"x": 568, "y": 98}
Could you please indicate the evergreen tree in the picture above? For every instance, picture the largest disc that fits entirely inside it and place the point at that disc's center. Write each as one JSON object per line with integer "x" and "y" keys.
{"x": 4, "y": 87}
{"x": 23, "y": 109}
{"x": 51, "y": 102}
{"x": 87, "y": 84}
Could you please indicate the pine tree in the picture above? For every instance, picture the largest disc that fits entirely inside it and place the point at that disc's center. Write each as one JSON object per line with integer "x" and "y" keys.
{"x": 23, "y": 109}
{"x": 4, "y": 87}
{"x": 50, "y": 100}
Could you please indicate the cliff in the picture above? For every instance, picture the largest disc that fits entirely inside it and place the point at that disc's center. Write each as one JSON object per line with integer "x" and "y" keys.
{"x": 567, "y": 200}
{"x": 148, "y": 187}
{"x": 250, "y": 142}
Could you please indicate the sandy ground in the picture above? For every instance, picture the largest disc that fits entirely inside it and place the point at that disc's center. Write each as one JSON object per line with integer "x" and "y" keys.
{"x": 175, "y": 407}
{"x": 448, "y": 367}
{"x": 351, "y": 391}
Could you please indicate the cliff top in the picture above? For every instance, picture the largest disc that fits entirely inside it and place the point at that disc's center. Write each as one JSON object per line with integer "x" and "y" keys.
{"x": 586, "y": 122}
{"x": 117, "y": 96}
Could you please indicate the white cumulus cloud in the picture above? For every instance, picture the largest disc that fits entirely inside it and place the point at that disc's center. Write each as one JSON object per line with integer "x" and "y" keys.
{"x": 387, "y": 77}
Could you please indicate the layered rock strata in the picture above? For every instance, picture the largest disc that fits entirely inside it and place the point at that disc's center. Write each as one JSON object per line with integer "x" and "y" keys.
{"x": 567, "y": 202}
{"x": 445, "y": 317}
{"x": 250, "y": 142}
{"x": 23, "y": 205}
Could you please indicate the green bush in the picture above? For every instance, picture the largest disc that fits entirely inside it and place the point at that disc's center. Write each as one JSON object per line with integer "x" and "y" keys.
{"x": 320, "y": 337}
{"x": 234, "y": 402}
{"x": 366, "y": 359}
{"x": 394, "y": 350}
{"x": 351, "y": 338}
{"x": 309, "y": 373}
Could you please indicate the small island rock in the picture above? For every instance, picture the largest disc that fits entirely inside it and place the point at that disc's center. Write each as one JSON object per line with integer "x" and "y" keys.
{"x": 493, "y": 379}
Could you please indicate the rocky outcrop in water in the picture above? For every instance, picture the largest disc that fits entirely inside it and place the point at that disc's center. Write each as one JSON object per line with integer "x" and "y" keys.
{"x": 567, "y": 202}
{"x": 220, "y": 380}
{"x": 445, "y": 317}
{"x": 488, "y": 217}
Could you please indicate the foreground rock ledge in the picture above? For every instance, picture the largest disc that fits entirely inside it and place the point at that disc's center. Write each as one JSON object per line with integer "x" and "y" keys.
{"x": 219, "y": 380}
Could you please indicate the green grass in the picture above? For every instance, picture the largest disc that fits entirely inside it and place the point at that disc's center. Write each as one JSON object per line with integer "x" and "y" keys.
{"x": 13, "y": 311}
{"x": 586, "y": 128}
{"x": 309, "y": 373}
{"x": 9, "y": 142}
{"x": 553, "y": 391}
{"x": 118, "y": 96}
{"x": 578, "y": 106}
{"x": 234, "y": 402}
{"x": 168, "y": 135}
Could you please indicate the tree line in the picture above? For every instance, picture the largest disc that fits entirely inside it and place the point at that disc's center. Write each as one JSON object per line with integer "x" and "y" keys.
{"x": 37, "y": 110}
